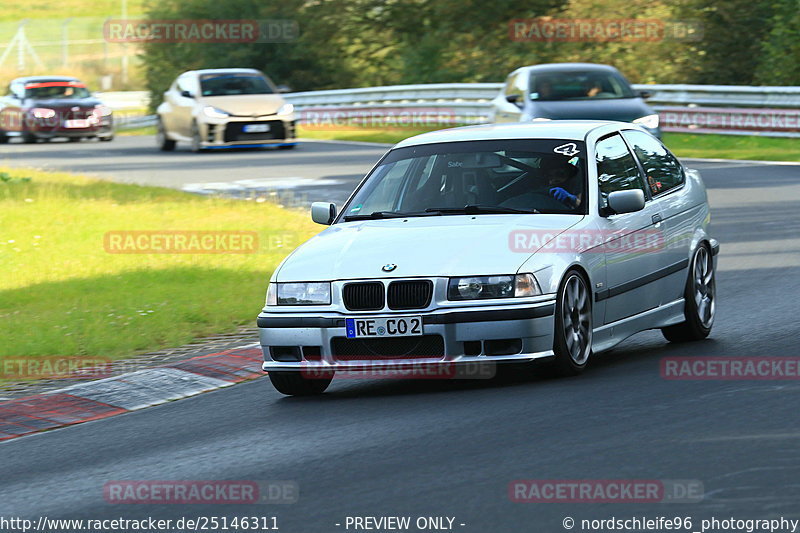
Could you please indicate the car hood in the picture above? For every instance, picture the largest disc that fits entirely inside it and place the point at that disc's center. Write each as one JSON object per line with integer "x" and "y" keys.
{"x": 246, "y": 104}
{"x": 621, "y": 109}
{"x": 433, "y": 246}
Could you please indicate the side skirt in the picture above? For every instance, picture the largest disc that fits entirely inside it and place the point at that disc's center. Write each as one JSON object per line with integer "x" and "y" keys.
{"x": 609, "y": 335}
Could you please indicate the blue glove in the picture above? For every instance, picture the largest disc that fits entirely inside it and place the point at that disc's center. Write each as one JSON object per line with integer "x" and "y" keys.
{"x": 563, "y": 196}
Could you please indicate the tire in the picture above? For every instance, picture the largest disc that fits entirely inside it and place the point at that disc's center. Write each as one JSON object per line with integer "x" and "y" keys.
{"x": 196, "y": 141}
{"x": 287, "y": 147}
{"x": 29, "y": 138}
{"x": 295, "y": 384}
{"x": 699, "y": 298}
{"x": 164, "y": 144}
{"x": 572, "y": 339}
{"x": 74, "y": 139}
{"x": 106, "y": 139}
{"x": 3, "y": 138}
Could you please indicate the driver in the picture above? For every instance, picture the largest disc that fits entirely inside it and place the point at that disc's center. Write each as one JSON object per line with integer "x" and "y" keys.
{"x": 560, "y": 178}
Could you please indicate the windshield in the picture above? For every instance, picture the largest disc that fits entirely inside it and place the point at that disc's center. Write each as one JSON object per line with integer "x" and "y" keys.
{"x": 56, "y": 89}
{"x": 233, "y": 84}
{"x": 475, "y": 177}
{"x": 587, "y": 85}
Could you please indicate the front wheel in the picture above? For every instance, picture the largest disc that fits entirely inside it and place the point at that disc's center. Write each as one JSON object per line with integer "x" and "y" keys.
{"x": 699, "y": 298}
{"x": 295, "y": 384}
{"x": 29, "y": 138}
{"x": 572, "y": 342}
{"x": 197, "y": 143}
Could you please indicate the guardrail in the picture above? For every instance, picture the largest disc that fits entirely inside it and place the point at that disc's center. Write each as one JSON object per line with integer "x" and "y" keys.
{"x": 770, "y": 111}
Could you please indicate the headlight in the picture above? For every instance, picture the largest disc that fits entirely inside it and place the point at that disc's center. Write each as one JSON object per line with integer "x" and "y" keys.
{"x": 214, "y": 112}
{"x": 102, "y": 111}
{"x": 485, "y": 287}
{"x": 650, "y": 121}
{"x": 318, "y": 293}
{"x": 285, "y": 109}
{"x": 43, "y": 112}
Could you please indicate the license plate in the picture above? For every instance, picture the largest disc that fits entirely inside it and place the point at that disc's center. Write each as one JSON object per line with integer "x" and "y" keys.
{"x": 77, "y": 123}
{"x": 256, "y": 128}
{"x": 399, "y": 326}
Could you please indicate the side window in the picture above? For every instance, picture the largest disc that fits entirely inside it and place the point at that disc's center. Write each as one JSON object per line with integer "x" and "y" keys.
{"x": 663, "y": 170}
{"x": 17, "y": 89}
{"x": 616, "y": 168}
{"x": 185, "y": 83}
{"x": 515, "y": 86}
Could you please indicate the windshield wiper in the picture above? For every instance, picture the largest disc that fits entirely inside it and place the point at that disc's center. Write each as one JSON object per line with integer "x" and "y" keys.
{"x": 480, "y": 209}
{"x": 375, "y": 215}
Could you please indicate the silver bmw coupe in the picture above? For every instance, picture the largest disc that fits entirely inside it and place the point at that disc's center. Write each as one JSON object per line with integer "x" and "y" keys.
{"x": 520, "y": 243}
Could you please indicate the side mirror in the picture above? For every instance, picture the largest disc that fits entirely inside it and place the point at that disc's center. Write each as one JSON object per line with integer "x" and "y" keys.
{"x": 513, "y": 99}
{"x": 284, "y": 89}
{"x": 323, "y": 212}
{"x": 629, "y": 201}
{"x": 645, "y": 94}
{"x": 187, "y": 94}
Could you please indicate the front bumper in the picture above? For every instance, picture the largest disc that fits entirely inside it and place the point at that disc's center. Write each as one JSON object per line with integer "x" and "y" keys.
{"x": 470, "y": 334}
{"x": 102, "y": 128}
{"x": 229, "y": 132}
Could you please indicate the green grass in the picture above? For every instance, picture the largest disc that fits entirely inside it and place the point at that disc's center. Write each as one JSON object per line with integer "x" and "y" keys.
{"x": 361, "y": 134}
{"x": 683, "y": 144}
{"x": 733, "y": 146}
{"x": 63, "y": 294}
{"x": 144, "y": 130}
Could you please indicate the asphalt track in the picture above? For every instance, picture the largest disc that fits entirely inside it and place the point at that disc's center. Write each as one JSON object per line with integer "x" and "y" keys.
{"x": 312, "y": 171}
{"x": 425, "y": 448}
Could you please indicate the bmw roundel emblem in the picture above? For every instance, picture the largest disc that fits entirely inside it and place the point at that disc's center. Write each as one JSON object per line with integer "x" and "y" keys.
{"x": 389, "y": 267}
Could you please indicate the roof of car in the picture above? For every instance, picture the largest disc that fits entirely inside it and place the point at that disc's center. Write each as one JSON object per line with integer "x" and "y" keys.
{"x": 224, "y": 71}
{"x": 550, "y": 129}
{"x": 568, "y": 67}
{"x": 29, "y": 79}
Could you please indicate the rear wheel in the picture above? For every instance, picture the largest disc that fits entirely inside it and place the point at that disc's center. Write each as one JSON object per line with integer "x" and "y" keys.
{"x": 699, "y": 300}
{"x": 572, "y": 342}
{"x": 295, "y": 384}
{"x": 29, "y": 138}
{"x": 106, "y": 139}
{"x": 74, "y": 139}
{"x": 3, "y": 138}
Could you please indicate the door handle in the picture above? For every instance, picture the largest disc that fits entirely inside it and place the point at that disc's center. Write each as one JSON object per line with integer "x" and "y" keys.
{"x": 657, "y": 218}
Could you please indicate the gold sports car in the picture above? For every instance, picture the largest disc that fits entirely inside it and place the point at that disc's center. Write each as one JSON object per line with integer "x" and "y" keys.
{"x": 225, "y": 108}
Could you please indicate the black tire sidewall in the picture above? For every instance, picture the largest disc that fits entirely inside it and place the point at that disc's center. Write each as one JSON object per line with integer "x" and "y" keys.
{"x": 563, "y": 363}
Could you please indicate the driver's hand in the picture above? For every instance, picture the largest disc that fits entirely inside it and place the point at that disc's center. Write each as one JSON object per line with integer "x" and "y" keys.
{"x": 564, "y": 197}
